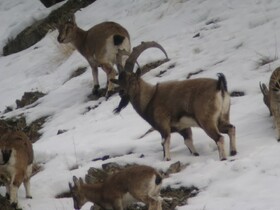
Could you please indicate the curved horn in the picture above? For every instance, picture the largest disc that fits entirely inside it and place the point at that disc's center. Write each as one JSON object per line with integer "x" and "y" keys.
{"x": 136, "y": 52}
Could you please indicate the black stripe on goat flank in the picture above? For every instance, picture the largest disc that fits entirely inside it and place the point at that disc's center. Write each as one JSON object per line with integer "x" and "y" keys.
{"x": 118, "y": 39}
{"x": 150, "y": 103}
{"x": 148, "y": 112}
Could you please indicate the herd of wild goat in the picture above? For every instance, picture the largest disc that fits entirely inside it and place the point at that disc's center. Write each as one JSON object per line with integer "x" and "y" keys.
{"x": 173, "y": 106}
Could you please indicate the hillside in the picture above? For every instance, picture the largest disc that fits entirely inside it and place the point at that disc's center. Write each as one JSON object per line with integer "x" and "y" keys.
{"x": 238, "y": 38}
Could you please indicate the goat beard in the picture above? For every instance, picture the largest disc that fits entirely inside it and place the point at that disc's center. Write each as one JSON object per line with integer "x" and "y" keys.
{"x": 123, "y": 103}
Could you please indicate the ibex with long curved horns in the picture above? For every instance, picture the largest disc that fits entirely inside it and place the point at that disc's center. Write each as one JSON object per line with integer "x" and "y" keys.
{"x": 99, "y": 45}
{"x": 176, "y": 106}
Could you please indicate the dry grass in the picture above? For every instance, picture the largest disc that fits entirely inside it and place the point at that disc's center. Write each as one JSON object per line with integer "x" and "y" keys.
{"x": 264, "y": 60}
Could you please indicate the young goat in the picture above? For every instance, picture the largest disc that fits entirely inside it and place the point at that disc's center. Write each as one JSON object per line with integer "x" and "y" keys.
{"x": 99, "y": 45}
{"x": 176, "y": 106}
{"x": 16, "y": 158}
{"x": 135, "y": 183}
{"x": 271, "y": 97}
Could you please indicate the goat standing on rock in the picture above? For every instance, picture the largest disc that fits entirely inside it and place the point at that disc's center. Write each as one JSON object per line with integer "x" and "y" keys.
{"x": 176, "y": 106}
{"x": 99, "y": 45}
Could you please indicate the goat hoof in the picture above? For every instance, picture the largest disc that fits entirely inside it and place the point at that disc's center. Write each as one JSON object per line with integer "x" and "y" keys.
{"x": 95, "y": 90}
{"x": 232, "y": 153}
{"x": 223, "y": 159}
{"x": 29, "y": 197}
{"x": 278, "y": 140}
{"x": 8, "y": 196}
{"x": 195, "y": 154}
{"x": 14, "y": 205}
{"x": 96, "y": 93}
{"x": 109, "y": 94}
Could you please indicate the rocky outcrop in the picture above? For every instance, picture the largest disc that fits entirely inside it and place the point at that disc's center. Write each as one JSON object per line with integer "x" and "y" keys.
{"x": 34, "y": 33}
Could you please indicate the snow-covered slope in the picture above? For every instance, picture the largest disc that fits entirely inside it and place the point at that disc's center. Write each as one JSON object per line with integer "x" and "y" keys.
{"x": 234, "y": 37}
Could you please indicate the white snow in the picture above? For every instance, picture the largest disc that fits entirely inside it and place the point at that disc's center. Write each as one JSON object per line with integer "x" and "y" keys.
{"x": 234, "y": 36}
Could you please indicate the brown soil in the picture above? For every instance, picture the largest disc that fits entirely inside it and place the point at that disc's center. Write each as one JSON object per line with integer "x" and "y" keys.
{"x": 31, "y": 130}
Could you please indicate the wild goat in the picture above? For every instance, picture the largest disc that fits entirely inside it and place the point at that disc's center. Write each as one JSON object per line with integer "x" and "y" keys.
{"x": 176, "y": 106}
{"x": 271, "y": 97}
{"x": 16, "y": 159}
{"x": 99, "y": 45}
{"x": 135, "y": 183}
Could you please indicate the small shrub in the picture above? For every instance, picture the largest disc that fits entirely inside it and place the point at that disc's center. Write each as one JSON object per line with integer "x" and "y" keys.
{"x": 264, "y": 60}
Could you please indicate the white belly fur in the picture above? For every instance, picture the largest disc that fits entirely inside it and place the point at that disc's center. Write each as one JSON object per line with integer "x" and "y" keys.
{"x": 185, "y": 122}
{"x": 128, "y": 199}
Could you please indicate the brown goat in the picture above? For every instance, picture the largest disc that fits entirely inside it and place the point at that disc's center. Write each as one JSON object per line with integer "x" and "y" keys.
{"x": 271, "y": 97}
{"x": 16, "y": 159}
{"x": 135, "y": 183}
{"x": 99, "y": 45}
{"x": 176, "y": 106}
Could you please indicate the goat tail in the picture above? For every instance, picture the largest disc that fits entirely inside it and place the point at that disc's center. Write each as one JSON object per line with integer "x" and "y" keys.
{"x": 222, "y": 83}
{"x": 6, "y": 154}
{"x": 158, "y": 179}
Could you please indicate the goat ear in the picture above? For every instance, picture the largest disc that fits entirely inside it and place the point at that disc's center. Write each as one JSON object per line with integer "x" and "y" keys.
{"x": 75, "y": 180}
{"x": 70, "y": 186}
{"x": 115, "y": 81}
{"x": 138, "y": 72}
{"x": 71, "y": 19}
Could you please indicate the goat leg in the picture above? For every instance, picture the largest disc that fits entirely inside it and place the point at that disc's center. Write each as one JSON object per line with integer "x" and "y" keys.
{"x": 166, "y": 147}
